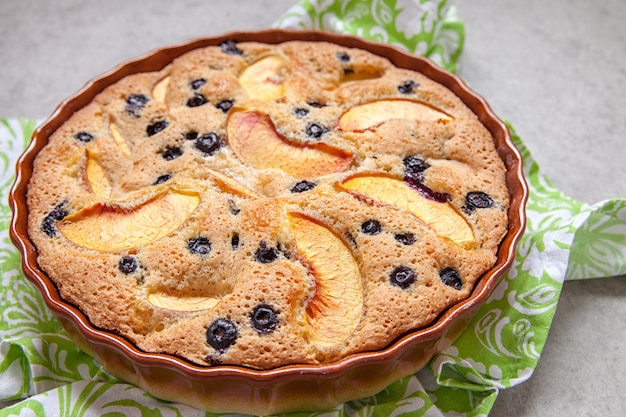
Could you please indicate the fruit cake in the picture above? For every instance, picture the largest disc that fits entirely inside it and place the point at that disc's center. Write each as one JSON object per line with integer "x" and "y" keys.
{"x": 268, "y": 204}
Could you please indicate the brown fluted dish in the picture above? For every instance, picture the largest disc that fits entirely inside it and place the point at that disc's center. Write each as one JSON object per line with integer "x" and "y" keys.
{"x": 223, "y": 387}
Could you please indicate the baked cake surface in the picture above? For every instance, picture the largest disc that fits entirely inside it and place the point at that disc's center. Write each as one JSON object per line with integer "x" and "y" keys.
{"x": 265, "y": 205}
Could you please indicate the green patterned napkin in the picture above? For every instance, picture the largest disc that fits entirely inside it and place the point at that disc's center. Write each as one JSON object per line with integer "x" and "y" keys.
{"x": 43, "y": 373}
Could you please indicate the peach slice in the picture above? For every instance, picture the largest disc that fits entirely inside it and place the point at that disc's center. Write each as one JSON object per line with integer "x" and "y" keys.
{"x": 173, "y": 302}
{"x": 370, "y": 115}
{"x": 254, "y": 139}
{"x": 336, "y": 309}
{"x": 97, "y": 180}
{"x": 160, "y": 88}
{"x": 230, "y": 186}
{"x": 106, "y": 227}
{"x": 119, "y": 140}
{"x": 353, "y": 77}
{"x": 443, "y": 217}
{"x": 262, "y": 79}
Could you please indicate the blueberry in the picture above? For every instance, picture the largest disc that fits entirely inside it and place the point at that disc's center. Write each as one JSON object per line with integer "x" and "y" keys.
{"x": 135, "y": 103}
{"x": 264, "y": 254}
{"x": 191, "y": 135}
{"x": 209, "y": 143}
{"x": 431, "y": 194}
{"x": 127, "y": 265}
{"x": 163, "y": 178}
{"x": 233, "y": 207}
{"x": 156, "y": 127}
{"x": 316, "y": 105}
{"x": 48, "y": 224}
{"x": 451, "y": 277}
{"x": 264, "y": 318}
{"x": 402, "y": 276}
{"x": 230, "y": 47}
{"x": 197, "y": 83}
{"x": 315, "y": 131}
{"x": 478, "y": 199}
{"x": 301, "y": 112}
{"x": 414, "y": 167}
{"x": 407, "y": 87}
{"x": 371, "y": 227}
{"x": 234, "y": 241}
{"x": 343, "y": 56}
{"x": 137, "y": 100}
{"x": 414, "y": 175}
{"x": 199, "y": 245}
{"x": 405, "y": 238}
{"x": 224, "y": 105}
{"x": 303, "y": 186}
{"x": 171, "y": 152}
{"x": 197, "y": 100}
{"x": 221, "y": 334}
{"x": 84, "y": 137}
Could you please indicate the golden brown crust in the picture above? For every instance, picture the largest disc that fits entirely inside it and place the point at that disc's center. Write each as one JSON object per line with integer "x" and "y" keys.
{"x": 172, "y": 209}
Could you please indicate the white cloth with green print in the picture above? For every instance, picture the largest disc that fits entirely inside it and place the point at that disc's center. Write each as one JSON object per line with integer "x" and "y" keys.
{"x": 43, "y": 373}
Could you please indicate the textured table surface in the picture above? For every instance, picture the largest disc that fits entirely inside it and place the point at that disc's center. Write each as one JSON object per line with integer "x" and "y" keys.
{"x": 555, "y": 69}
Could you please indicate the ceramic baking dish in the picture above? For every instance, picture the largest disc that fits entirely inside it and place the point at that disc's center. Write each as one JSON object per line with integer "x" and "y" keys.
{"x": 290, "y": 388}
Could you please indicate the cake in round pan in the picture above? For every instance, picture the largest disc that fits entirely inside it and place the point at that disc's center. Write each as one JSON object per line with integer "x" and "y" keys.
{"x": 264, "y": 205}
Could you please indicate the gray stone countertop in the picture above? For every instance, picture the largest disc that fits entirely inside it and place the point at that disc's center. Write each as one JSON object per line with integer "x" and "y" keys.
{"x": 556, "y": 70}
